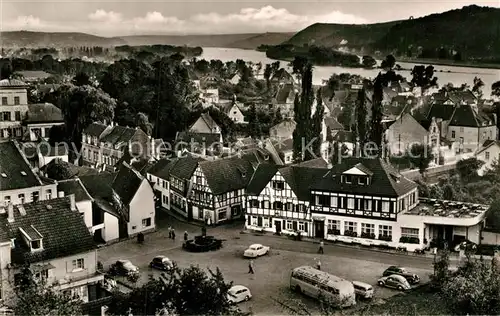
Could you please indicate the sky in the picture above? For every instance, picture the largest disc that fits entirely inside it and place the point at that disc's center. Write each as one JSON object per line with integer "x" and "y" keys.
{"x": 132, "y": 17}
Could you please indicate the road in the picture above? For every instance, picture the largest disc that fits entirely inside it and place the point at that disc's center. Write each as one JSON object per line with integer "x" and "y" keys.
{"x": 271, "y": 279}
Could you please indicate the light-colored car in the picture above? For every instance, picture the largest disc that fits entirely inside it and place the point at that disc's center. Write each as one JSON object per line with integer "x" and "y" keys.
{"x": 124, "y": 267}
{"x": 256, "y": 250}
{"x": 238, "y": 294}
{"x": 363, "y": 290}
{"x": 395, "y": 281}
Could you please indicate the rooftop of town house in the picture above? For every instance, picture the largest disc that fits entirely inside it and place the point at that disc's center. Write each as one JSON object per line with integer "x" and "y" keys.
{"x": 450, "y": 209}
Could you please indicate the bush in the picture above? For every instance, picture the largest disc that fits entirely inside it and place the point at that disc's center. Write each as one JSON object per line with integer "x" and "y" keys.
{"x": 409, "y": 240}
{"x": 367, "y": 235}
{"x": 350, "y": 233}
{"x": 385, "y": 238}
{"x": 333, "y": 232}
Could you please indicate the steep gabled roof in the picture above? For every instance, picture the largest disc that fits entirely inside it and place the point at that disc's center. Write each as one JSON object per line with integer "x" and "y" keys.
{"x": 228, "y": 174}
{"x": 441, "y": 111}
{"x": 64, "y": 231}
{"x": 487, "y": 144}
{"x": 261, "y": 177}
{"x": 183, "y": 168}
{"x": 385, "y": 180}
{"x": 119, "y": 134}
{"x": 12, "y": 83}
{"x": 76, "y": 187}
{"x": 15, "y": 170}
{"x": 465, "y": 115}
{"x": 126, "y": 183}
{"x": 95, "y": 129}
{"x": 161, "y": 169}
{"x": 300, "y": 179}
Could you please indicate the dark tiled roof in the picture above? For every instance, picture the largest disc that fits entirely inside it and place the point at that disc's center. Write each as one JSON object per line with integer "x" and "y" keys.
{"x": 99, "y": 185}
{"x": 208, "y": 120}
{"x": 282, "y": 75}
{"x": 225, "y": 175}
{"x": 183, "y": 168}
{"x": 384, "y": 181}
{"x": 260, "y": 178}
{"x": 462, "y": 96}
{"x": 13, "y": 164}
{"x": 119, "y": 134}
{"x": 161, "y": 168}
{"x": 76, "y": 171}
{"x": 442, "y": 111}
{"x": 141, "y": 165}
{"x": 465, "y": 115}
{"x": 126, "y": 183}
{"x": 95, "y": 129}
{"x": 64, "y": 231}
{"x": 333, "y": 124}
{"x": 44, "y": 113}
{"x": 74, "y": 186}
{"x": 300, "y": 179}
{"x": 313, "y": 163}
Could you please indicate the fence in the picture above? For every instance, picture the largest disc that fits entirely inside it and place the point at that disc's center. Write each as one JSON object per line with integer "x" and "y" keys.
{"x": 431, "y": 173}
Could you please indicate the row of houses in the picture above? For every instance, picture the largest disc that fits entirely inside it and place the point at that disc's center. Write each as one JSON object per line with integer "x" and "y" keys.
{"x": 359, "y": 200}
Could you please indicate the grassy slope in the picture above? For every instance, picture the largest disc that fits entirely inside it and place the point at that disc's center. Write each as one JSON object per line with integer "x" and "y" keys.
{"x": 55, "y": 39}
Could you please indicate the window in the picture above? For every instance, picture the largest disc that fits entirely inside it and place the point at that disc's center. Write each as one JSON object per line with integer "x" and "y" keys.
{"x": 18, "y": 115}
{"x": 21, "y": 197}
{"x": 487, "y": 155}
{"x": 278, "y": 185}
{"x": 350, "y": 203}
{"x": 265, "y": 204}
{"x": 78, "y": 264}
{"x": 266, "y": 222}
{"x": 42, "y": 275}
{"x": 384, "y": 230}
{"x": 278, "y": 205}
{"x": 16, "y": 101}
{"x": 46, "y": 132}
{"x": 409, "y": 232}
{"x": 6, "y": 116}
{"x": 254, "y": 221}
{"x": 367, "y": 228}
{"x": 385, "y": 206}
{"x": 333, "y": 227}
{"x": 333, "y": 201}
{"x": 146, "y": 222}
{"x": 222, "y": 215}
{"x": 300, "y": 208}
{"x": 7, "y": 199}
{"x": 302, "y": 226}
{"x": 289, "y": 225}
{"x": 367, "y": 205}
{"x": 289, "y": 206}
{"x": 4, "y": 101}
{"x": 254, "y": 203}
{"x": 35, "y": 196}
{"x": 36, "y": 244}
{"x": 452, "y": 134}
{"x": 350, "y": 226}
{"x": 346, "y": 178}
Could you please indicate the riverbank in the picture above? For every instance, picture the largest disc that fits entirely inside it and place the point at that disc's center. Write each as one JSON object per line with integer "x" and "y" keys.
{"x": 441, "y": 62}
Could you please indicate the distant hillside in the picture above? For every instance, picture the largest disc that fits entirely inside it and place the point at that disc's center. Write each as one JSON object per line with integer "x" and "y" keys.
{"x": 469, "y": 33}
{"x": 55, "y": 39}
{"x": 247, "y": 41}
{"x": 261, "y": 39}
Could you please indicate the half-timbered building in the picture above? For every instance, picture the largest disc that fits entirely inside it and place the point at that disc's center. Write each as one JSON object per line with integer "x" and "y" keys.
{"x": 278, "y": 198}
{"x": 359, "y": 200}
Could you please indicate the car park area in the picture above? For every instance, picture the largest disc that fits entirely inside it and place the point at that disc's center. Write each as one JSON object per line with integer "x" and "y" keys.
{"x": 272, "y": 271}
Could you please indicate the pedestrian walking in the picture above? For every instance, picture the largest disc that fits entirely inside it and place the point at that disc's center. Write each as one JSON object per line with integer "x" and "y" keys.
{"x": 185, "y": 236}
{"x": 321, "y": 245}
{"x": 250, "y": 267}
{"x": 173, "y": 234}
{"x": 169, "y": 231}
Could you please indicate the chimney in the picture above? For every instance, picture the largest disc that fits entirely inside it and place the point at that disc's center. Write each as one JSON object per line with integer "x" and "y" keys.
{"x": 60, "y": 194}
{"x": 10, "y": 212}
{"x": 72, "y": 202}
{"x": 153, "y": 149}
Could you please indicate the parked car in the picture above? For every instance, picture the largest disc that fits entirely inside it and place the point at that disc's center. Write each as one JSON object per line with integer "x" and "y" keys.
{"x": 256, "y": 250}
{"x": 161, "y": 263}
{"x": 411, "y": 277}
{"x": 395, "y": 281}
{"x": 363, "y": 290}
{"x": 123, "y": 267}
{"x": 238, "y": 294}
{"x": 466, "y": 244}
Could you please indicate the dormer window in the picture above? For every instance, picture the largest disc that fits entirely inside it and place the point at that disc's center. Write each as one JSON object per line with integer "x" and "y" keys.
{"x": 278, "y": 185}
{"x": 36, "y": 244}
{"x": 32, "y": 237}
{"x": 347, "y": 178}
{"x": 363, "y": 180}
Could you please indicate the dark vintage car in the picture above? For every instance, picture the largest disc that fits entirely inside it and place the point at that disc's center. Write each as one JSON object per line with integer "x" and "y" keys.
{"x": 123, "y": 268}
{"x": 411, "y": 277}
{"x": 161, "y": 263}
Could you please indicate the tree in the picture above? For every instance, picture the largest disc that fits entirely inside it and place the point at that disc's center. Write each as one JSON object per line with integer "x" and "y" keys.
{"x": 333, "y": 84}
{"x": 420, "y": 156}
{"x": 298, "y": 66}
{"x": 142, "y": 121}
{"x": 361, "y": 113}
{"x": 441, "y": 270}
{"x": 35, "y": 297}
{"x": 369, "y": 61}
{"x": 190, "y": 291}
{"x": 58, "y": 170}
{"x": 6, "y": 69}
{"x": 337, "y": 151}
{"x": 376, "y": 132}
{"x": 267, "y": 74}
{"x": 468, "y": 168}
{"x": 254, "y": 128}
{"x": 303, "y": 134}
{"x": 477, "y": 86}
{"x": 423, "y": 77}
{"x": 495, "y": 89}
{"x": 389, "y": 62}
{"x": 81, "y": 79}
{"x": 317, "y": 124}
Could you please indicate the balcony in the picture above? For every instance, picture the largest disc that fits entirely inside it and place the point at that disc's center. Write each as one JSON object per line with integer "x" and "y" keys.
{"x": 70, "y": 281}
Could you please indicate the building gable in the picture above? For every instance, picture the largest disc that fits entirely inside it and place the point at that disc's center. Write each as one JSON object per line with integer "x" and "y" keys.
{"x": 278, "y": 187}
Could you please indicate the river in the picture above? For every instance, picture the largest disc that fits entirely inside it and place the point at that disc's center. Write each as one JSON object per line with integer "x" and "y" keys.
{"x": 445, "y": 74}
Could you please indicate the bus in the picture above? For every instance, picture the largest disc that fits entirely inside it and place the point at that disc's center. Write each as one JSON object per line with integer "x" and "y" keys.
{"x": 321, "y": 285}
